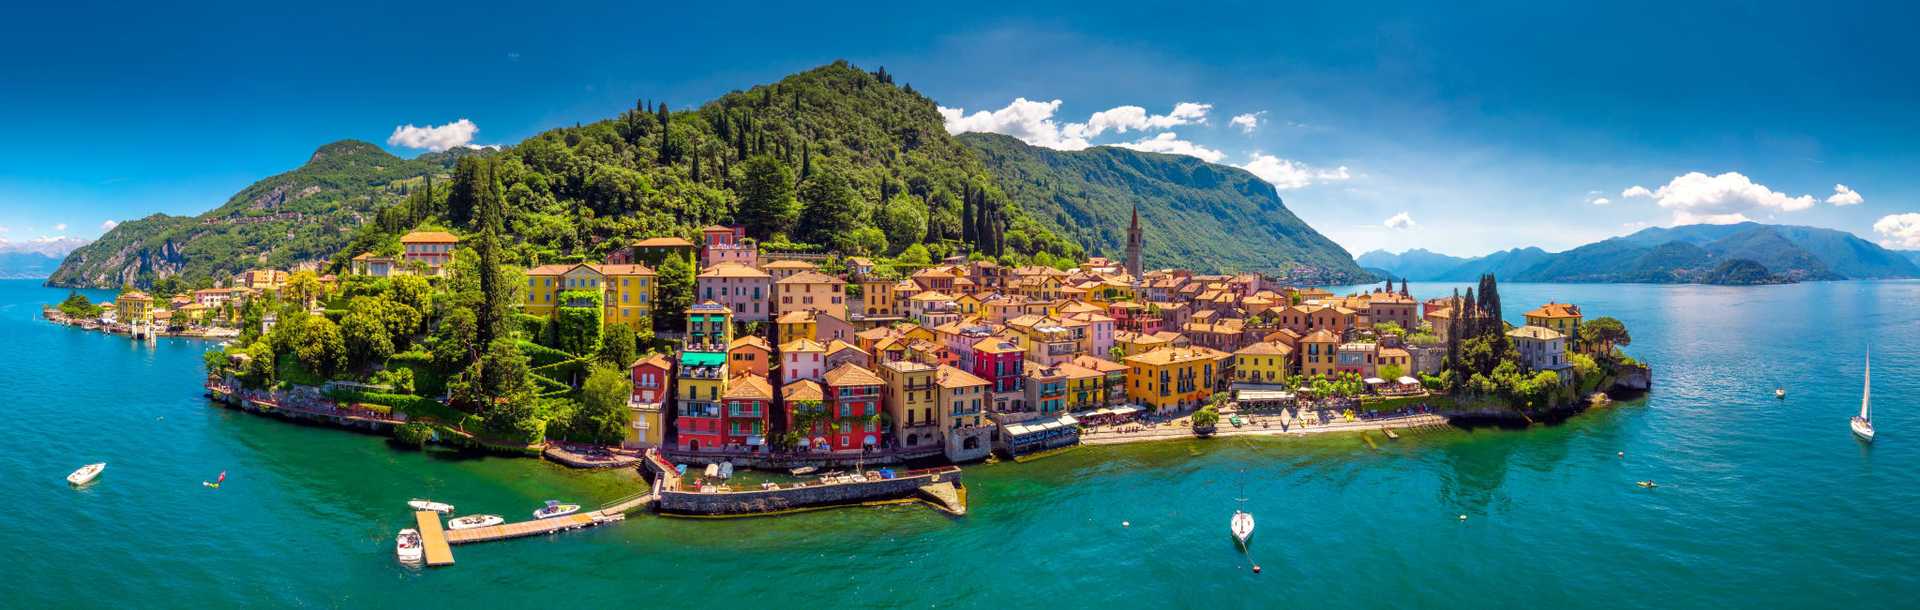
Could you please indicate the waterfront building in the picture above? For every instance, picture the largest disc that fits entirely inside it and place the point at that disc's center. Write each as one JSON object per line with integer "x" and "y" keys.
{"x": 853, "y": 401}
{"x": 1317, "y": 353}
{"x": 961, "y": 409}
{"x": 747, "y": 401}
{"x": 652, "y": 377}
{"x": 912, "y": 403}
{"x": 749, "y": 355}
{"x": 1392, "y": 363}
{"x": 1541, "y": 349}
{"x": 625, "y": 291}
{"x": 431, "y": 249}
{"x": 1173, "y": 377}
{"x": 1357, "y": 358}
{"x": 806, "y": 409}
{"x": 809, "y": 290}
{"x": 132, "y": 306}
{"x": 745, "y": 290}
{"x": 1113, "y": 380}
{"x": 1263, "y": 362}
{"x": 1563, "y": 318}
{"x": 802, "y": 359}
{"x": 1045, "y": 386}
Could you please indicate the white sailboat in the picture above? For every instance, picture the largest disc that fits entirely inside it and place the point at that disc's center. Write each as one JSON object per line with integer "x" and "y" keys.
{"x": 1863, "y": 423}
{"x": 1242, "y": 526}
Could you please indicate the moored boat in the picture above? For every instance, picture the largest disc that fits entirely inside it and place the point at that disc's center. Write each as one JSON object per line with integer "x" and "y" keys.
{"x": 555, "y": 509}
{"x": 1242, "y": 526}
{"x": 406, "y": 546}
{"x": 438, "y": 507}
{"x": 472, "y": 521}
{"x": 86, "y": 474}
{"x": 804, "y": 471}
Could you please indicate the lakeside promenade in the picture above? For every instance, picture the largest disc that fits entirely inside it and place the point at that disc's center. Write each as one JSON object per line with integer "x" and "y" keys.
{"x": 1259, "y": 425}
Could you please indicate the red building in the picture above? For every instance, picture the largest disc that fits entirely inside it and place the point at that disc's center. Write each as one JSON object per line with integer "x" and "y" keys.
{"x": 999, "y": 361}
{"x": 652, "y": 379}
{"x": 853, "y": 399}
{"x": 805, "y": 399}
{"x": 727, "y": 245}
{"x": 746, "y": 403}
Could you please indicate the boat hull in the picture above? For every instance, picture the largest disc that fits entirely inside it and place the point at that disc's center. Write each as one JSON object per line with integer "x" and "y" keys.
{"x": 1242, "y": 527}
{"x": 86, "y": 474}
{"x": 563, "y": 510}
{"x": 1863, "y": 429}
{"x": 467, "y": 523}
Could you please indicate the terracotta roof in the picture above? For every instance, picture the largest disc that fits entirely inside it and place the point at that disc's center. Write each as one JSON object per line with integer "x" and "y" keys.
{"x": 1172, "y": 355}
{"x": 1556, "y": 310}
{"x": 803, "y": 390}
{"x": 709, "y": 307}
{"x": 749, "y": 387}
{"x": 659, "y": 360}
{"x": 852, "y": 374}
{"x": 810, "y": 277}
{"x": 1540, "y": 333}
{"x": 623, "y": 269}
{"x": 1075, "y": 371}
{"x": 749, "y": 341}
{"x": 1098, "y": 364}
{"x": 951, "y": 377}
{"x": 1320, "y": 336}
{"x": 551, "y": 269}
{"x": 996, "y": 345}
{"x": 663, "y": 242}
{"x": 836, "y": 346}
{"x": 1266, "y": 348}
{"x": 429, "y": 237}
{"x": 876, "y": 333}
{"x": 717, "y": 229}
{"x": 795, "y": 317}
{"x": 733, "y": 270}
{"x": 789, "y": 264}
{"x": 802, "y": 345}
{"x": 930, "y": 295}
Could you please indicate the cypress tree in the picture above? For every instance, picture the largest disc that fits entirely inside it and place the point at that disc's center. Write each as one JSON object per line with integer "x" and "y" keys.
{"x": 806, "y": 162}
{"x": 666, "y": 137}
{"x": 490, "y": 215}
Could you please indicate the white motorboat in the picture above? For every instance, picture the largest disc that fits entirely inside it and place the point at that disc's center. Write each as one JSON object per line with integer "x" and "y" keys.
{"x": 726, "y": 470}
{"x": 406, "y": 546}
{"x": 1779, "y": 392}
{"x": 438, "y": 507}
{"x": 555, "y": 509}
{"x": 1242, "y": 526}
{"x": 472, "y": 521}
{"x": 1863, "y": 423}
{"x": 86, "y": 474}
{"x": 803, "y": 471}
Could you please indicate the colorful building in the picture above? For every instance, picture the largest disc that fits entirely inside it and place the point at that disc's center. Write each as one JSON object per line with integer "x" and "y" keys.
{"x": 802, "y": 359}
{"x": 962, "y": 400}
{"x": 1541, "y": 349}
{"x": 745, "y": 290}
{"x": 853, "y": 401}
{"x": 749, "y": 355}
{"x": 809, "y": 290}
{"x": 1563, "y": 318}
{"x": 727, "y": 245}
{"x": 1263, "y": 362}
{"x": 912, "y": 401}
{"x": 747, "y": 401}
{"x": 1173, "y": 377}
{"x": 431, "y": 249}
{"x": 1318, "y": 352}
{"x": 626, "y": 291}
{"x": 652, "y": 377}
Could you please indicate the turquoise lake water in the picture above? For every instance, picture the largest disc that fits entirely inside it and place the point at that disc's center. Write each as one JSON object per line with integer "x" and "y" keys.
{"x": 1762, "y": 503}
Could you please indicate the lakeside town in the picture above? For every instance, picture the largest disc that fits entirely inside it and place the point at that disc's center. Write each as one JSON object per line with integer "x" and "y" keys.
{"x": 792, "y": 364}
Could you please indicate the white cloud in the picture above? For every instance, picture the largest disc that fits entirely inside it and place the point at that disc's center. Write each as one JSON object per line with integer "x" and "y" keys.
{"x": 1724, "y": 199}
{"x": 60, "y": 228}
{"x": 435, "y": 138}
{"x": 1845, "y": 196}
{"x": 1285, "y": 174}
{"x": 1901, "y": 231}
{"x": 5, "y": 229}
{"x": 1030, "y": 121}
{"x": 1401, "y": 221}
{"x": 1034, "y": 122}
{"x": 1600, "y": 201}
{"x": 1247, "y": 122}
{"x": 109, "y": 225}
{"x": 1170, "y": 142}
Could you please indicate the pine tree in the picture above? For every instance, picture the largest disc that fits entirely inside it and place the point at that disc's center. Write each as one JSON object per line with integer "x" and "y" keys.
{"x": 806, "y": 162}
{"x": 666, "y": 137}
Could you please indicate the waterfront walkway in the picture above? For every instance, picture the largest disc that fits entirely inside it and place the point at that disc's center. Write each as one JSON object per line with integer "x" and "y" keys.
{"x": 436, "y": 539}
{"x": 1281, "y": 426}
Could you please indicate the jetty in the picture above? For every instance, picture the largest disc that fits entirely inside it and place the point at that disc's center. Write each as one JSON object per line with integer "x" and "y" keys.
{"x": 437, "y": 540}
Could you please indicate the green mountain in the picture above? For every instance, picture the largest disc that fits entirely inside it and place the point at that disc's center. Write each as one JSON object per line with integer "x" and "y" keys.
{"x": 1192, "y": 213}
{"x": 1413, "y": 264}
{"x": 1746, "y": 253}
{"x": 296, "y": 218}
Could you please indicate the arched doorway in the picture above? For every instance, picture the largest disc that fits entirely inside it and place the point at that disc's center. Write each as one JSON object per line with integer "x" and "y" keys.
{"x": 693, "y": 445}
{"x": 972, "y": 442}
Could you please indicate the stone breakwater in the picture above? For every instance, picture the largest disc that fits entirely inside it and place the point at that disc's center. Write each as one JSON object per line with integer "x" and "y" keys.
{"x": 672, "y": 500}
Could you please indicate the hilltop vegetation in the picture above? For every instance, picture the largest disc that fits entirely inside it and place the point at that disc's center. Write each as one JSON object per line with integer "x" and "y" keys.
{"x": 1192, "y": 213}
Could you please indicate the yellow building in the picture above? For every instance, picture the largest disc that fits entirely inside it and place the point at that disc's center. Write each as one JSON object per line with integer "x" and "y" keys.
{"x": 626, "y": 291}
{"x": 1561, "y": 317}
{"x": 1173, "y": 377}
{"x": 1086, "y": 388}
{"x": 1263, "y": 362}
{"x": 264, "y": 279}
{"x": 1319, "y": 352}
{"x": 876, "y": 298}
{"x": 912, "y": 402}
{"x": 796, "y": 325}
{"x": 132, "y": 306}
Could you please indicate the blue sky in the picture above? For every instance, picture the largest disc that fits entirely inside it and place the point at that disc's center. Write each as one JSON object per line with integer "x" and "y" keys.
{"x": 1461, "y": 129}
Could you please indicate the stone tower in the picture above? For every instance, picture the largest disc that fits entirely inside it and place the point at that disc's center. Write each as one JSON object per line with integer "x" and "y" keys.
{"x": 1134, "y": 245}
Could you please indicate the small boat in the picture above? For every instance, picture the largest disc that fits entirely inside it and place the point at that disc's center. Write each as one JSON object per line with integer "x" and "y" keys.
{"x": 726, "y": 470}
{"x": 430, "y": 505}
{"x": 215, "y": 483}
{"x": 555, "y": 509}
{"x": 406, "y": 546}
{"x": 1391, "y": 435}
{"x": 86, "y": 474}
{"x": 803, "y": 471}
{"x": 472, "y": 521}
{"x": 1648, "y": 484}
{"x": 1242, "y": 526}
{"x": 1780, "y": 393}
{"x": 1863, "y": 423}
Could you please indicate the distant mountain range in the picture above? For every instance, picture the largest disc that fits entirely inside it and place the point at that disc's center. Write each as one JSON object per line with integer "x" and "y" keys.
{"x": 36, "y": 258}
{"x": 1745, "y": 253}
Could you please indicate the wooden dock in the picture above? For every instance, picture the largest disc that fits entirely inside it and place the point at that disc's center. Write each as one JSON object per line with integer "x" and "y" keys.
{"x": 614, "y": 511}
{"x": 433, "y": 538}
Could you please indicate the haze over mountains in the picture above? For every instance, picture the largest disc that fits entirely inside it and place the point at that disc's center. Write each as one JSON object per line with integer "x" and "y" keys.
{"x": 1744, "y": 253}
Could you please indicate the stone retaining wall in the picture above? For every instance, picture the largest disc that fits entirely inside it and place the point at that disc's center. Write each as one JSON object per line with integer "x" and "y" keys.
{"x": 776, "y": 500}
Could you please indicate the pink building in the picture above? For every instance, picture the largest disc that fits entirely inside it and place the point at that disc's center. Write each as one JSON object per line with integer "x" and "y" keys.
{"x": 802, "y": 359}
{"x": 745, "y": 290}
{"x": 727, "y": 245}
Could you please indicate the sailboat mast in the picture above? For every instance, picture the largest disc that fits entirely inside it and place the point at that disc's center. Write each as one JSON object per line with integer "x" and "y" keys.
{"x": 1866, "y": 392}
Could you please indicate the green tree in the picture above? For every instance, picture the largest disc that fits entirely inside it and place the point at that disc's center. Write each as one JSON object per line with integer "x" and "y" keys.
{"x": 1600, "y": 335}
{"x": 304, "y": 288}
{"x": 916, "y": 254}
{"x": 862, "y": 241}
{"x": 830, "y": 208}
{"x": 504, "y": 370}
{"x": 1205, "y": 420}
{"x": 463, "y": 197}
{"x": 904, "y": 219}
{"x": 603, "y": 400}
{"x": 322, "y": 350}
{"x": 617, "y": 346}
{"x": 767, "y": 205}
{"x": 1389, "y": 328}
{"x": 366, "y": 336}
{"x": 490, "y": 319}
{"x": 673, "y": 293}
